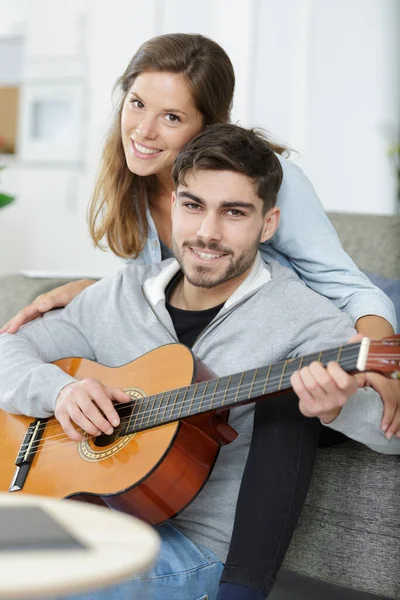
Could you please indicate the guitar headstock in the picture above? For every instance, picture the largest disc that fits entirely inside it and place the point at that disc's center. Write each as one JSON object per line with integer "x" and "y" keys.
{"x": 384, "y": 356}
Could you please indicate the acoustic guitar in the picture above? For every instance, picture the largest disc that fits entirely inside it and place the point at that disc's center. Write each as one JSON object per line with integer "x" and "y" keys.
{"x": 160, "y": 456}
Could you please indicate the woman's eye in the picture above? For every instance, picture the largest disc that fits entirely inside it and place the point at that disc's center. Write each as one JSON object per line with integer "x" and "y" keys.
{"x": 173, "y": 118}
{"x": 137, "y": 103}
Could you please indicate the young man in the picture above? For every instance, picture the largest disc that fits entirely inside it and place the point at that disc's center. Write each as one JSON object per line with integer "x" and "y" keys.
{"x": 234, "y": 311}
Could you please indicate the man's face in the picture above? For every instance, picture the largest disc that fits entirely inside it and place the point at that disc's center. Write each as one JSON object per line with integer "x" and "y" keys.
{"x": 217, "y": 226}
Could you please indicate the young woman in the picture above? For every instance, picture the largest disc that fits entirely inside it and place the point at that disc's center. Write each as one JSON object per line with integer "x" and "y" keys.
{"x": 174, "y": 86}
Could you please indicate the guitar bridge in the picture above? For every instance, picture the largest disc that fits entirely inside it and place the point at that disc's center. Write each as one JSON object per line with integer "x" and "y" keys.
{"x": 26, "y": 454}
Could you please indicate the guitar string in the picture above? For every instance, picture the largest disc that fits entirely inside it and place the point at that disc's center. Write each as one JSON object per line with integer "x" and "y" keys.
{"x": 182, "y": 389}
{"x": 148, "y": 413}
{"x": 54, "y": 440}
{"x": 153, "y": 397}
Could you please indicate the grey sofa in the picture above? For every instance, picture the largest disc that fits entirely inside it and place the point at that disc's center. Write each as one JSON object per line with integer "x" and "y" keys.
{"x": 348, "y": 535}
{"x": 347, "y": 543}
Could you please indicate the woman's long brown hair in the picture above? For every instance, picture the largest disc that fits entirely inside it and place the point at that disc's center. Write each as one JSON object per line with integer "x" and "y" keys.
{"x": 117, "y": 211}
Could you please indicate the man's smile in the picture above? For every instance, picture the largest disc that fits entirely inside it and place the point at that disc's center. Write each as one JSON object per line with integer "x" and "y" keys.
{"x": 203, "y": 255}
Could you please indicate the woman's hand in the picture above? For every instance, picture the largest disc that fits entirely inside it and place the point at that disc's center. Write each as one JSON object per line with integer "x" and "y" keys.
{"x": 389, "y": 391}
{"x": 323, "y": 392}
{"x": 89, "y": 405}
{"x": 57, "y": 298}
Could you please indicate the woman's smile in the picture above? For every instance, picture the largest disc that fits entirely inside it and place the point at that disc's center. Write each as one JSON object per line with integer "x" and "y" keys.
{"x": 145, "y": 152}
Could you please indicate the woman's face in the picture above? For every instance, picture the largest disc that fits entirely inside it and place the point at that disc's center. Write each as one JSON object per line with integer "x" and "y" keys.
{"x": 158, "y": 118}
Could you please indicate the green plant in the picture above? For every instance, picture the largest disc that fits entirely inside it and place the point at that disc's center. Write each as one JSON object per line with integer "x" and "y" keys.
{"x": 5, "y": 198}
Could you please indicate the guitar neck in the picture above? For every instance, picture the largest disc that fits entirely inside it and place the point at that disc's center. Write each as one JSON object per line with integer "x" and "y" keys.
{"x": 233, "y": 390}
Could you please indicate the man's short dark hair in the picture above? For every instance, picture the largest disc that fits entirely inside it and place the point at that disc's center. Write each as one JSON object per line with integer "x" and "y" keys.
{"x": 223, "y": 147}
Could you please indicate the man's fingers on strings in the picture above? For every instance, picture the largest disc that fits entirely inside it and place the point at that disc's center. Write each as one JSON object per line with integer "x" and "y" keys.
{"x": 83, "y": 420}
{"x": 119, "y": 395}
{"x": 94, "y": 409}
{"x": 310, "y": 378}
{"x": 306, "y": 401}
{"x": 104, "y": 396}
{"x": 347, "y": 384}
{"x": 68, "y": 428}
{"x": 320, "y": 380}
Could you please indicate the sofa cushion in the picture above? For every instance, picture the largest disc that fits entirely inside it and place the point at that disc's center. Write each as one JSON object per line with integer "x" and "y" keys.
{"x": 371, "y": 240}
{"x": 348, "y": 532}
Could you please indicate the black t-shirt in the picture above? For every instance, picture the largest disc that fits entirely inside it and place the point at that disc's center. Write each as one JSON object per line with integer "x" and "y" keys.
{"x": 188, "y": 324}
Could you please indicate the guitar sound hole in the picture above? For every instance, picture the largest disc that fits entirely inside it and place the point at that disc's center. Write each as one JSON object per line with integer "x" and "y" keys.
{"x": 105, "y": 440}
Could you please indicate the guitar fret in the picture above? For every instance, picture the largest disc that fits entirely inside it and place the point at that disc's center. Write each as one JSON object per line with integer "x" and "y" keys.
{"x": 166, "y": 406}
{"x": 160, "y": 404}
{"x": 127, "y": 429}
{"x": 238, "y": 387}
{"x": 151, "y": 410}
{"x": 144, "y": 411}
{"x": 283, "y": 373}
{"x": 226, "y": 390}
{"x": 176, "y": 400}
{"x": 183, "y": 402}
{"x": 214, "y": 392}
{"x": 266, "y": 379}
{"x": 139, "y": 408}
{"x": 291, "y": 367}
{"x": 202, "y": 397}
{"x": 309, "y": 359}
{"x": 339, "y": 354}
{"x": 196, "y": 387}
{"x": 252, "y": 383}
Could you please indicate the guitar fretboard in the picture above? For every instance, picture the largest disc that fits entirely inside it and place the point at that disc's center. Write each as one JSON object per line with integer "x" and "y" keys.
{"x": 230, "y": 390}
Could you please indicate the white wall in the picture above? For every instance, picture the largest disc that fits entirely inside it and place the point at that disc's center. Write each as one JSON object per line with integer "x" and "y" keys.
{"x": 321, "y": 75}
{"x": 13, "y": 15}
{"x": 354, "y": 103}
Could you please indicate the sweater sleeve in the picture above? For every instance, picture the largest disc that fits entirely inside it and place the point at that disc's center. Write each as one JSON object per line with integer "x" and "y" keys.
{"x": 28, "y": 383}
{"x": 314, "y": 324}
{"x": 360, "y": 420}
{"x": 307, "y": 242}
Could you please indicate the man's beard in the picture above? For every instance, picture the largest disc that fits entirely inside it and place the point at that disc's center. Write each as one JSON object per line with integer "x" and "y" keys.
{"x": 202, "y": 276}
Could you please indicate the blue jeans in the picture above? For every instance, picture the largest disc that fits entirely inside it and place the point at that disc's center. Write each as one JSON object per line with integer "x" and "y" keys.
{"x": 184, "y": 571}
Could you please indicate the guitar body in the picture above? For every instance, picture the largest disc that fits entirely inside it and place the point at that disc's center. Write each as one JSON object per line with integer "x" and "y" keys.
{"x": 151, "y": 474}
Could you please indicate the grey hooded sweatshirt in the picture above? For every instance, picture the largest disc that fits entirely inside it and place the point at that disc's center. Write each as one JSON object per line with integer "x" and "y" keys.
{"x": 270, "y": 317}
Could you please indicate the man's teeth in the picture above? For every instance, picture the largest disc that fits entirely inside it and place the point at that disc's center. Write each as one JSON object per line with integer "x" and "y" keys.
{"x": 206, "y": 255}
{"x": 144, "y": 150}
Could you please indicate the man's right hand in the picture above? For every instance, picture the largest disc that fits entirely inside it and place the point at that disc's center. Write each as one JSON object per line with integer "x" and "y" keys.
{"x": 57, "y": 298}
{"x": 88, "y": 404}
